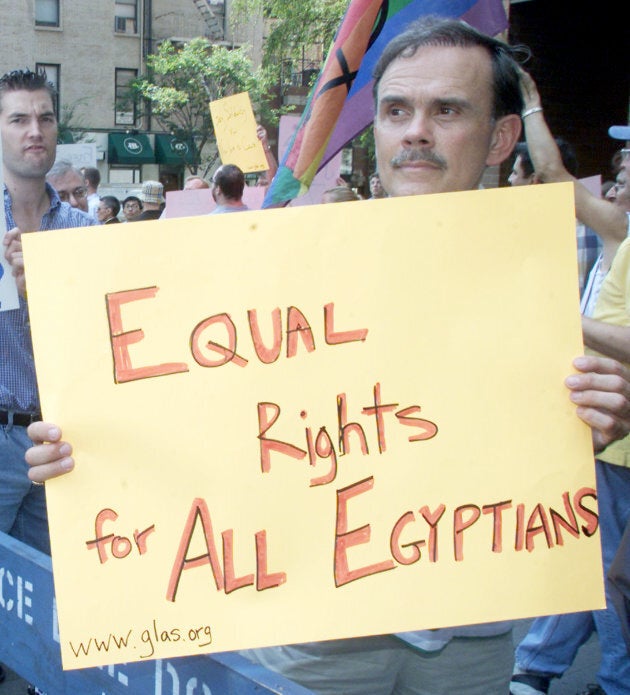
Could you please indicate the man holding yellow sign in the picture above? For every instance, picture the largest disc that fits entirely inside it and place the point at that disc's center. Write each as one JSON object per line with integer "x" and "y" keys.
{"x": 442, "y": 116}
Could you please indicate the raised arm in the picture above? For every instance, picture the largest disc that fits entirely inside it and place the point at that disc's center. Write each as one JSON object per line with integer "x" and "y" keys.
{"x": 609, "y": 221}
{"x": 272, "y": 164}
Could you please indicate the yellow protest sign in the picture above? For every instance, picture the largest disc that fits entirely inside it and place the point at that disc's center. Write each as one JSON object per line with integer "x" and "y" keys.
{"x": 235, "y": 131}
{"x": 315, "y": 422}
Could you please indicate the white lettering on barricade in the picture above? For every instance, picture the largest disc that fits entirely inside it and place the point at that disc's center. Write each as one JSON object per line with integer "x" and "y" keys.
{"x": 15, "y": 595}
{"x": 190, "y": 687}
{"x": 113, "y": 671}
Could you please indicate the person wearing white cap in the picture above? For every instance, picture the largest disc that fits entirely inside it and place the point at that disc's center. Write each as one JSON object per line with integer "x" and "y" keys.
{"x": 152, "y": 197}
{"x": 619, "y": 132}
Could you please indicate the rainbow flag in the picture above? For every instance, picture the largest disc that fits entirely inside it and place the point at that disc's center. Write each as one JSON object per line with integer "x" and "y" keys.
{"x": 340, "y": 105}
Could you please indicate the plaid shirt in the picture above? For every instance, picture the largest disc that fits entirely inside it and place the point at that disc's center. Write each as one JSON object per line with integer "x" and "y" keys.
{"x": 18, "y": 383}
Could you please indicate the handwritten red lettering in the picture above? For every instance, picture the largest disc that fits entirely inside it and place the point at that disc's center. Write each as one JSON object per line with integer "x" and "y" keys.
{"x": 265, "y": 423}
{"x": 333, "y": 337}
{"x": 464, "y": 517}
{"x": 119, "y": 546}
{"x": 497, "y": 510}
{"x": 345, "y": 539}
{"x": 321, "y": 447}
{"x": 224, "y": 577}
{"x": 264, "y": 354}
{"x": 588, "y": 515}
{"x": 297, "y": 325}
{"x": 226, "y": 354}
{"x": 395, "y": 546}
{"x": 120, "y": 339}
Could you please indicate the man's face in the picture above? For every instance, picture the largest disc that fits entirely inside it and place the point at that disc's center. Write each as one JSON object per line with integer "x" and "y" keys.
{"x": 103, "y": 212}
{"x": 29, "y": 133}
{"x": 621, "y": 195}
{"x": 433, "y": 127}
{"x": 517, "y": 177}
{"x": 131, "y": 209}
{"x": 376, "y": 188}
{"x": 71, "y": 189}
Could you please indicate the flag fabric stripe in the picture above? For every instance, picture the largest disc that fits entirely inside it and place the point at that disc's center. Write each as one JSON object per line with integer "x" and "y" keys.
{"x": 335, "y": 112}
{"x": 486, "y": 15}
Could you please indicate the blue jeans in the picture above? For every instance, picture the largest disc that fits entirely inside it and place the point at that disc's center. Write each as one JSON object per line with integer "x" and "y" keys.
{"x": 552, "y": 642}
{"x": 22, "y": 504}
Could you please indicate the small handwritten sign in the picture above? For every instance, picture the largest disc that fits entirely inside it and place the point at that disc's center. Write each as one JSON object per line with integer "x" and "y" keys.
{"x": 235, "y": 131}
{"x": 314, "y": 423}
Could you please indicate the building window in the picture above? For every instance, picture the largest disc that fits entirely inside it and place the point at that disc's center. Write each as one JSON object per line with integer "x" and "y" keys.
{"x": 124, "y": 175}
{"x": 53, "y": 75}
{"x": 47, "y": 13}
{"x": 125, "y": 112}
{"x": 126, "y": 17}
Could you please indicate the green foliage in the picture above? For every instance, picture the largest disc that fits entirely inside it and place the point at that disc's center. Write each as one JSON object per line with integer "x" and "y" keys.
{"x": 293, "y": 24}
{"x": 366, "y": 140}
{"x": 71, "y": 126}
{"x": 293, "y": 28}
{"x": 182, "y": 79}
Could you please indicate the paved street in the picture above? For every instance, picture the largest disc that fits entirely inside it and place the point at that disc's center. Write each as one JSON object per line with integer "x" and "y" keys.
{"x": 575, "y": 680}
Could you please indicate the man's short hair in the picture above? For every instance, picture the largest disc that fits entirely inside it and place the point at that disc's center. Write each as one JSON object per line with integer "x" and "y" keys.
{"x": 567, "y": 152}
{"x": 61, "y": 167}
{"x": 92, "y": 175}
{"x": 18, "y": 80}
{"x": 231, "y": 180}
{"x": 453, "y": 33}
{"x": 194, "y": 177}
{"x": 132, "y": 199}
{"x": 340, "y": 194}
{"x": 111, "y": 202}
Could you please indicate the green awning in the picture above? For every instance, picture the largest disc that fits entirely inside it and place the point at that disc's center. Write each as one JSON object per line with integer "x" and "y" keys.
{"x": 130, "y": 149}
{"x": 172, "y": 150}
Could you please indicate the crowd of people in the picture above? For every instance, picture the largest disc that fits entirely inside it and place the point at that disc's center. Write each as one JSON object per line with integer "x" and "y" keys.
{"x": 449, "y": 102}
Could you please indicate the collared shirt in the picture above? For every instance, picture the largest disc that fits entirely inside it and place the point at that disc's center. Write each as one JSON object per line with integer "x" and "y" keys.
{"x": 93, "y": 200}
{"x": 18, "y": 384}
{"x": 222, "y": 209}
{"x": 589, "y": 246}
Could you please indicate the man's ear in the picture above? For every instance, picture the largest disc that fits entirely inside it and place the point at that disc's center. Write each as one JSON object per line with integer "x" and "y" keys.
{"x": 505, "y": 135}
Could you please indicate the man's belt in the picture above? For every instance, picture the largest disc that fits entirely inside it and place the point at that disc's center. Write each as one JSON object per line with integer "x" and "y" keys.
{"x": 19, "y": 419}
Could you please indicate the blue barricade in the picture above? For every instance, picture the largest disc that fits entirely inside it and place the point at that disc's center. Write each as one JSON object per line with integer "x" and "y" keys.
{"x": 29, "y": 645}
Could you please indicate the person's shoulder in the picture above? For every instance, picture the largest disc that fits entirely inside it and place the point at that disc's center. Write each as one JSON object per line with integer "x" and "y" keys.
{"x": 622, "y": 257}
{"x": 624, "y": 247}
{"x": 80, "y": 218}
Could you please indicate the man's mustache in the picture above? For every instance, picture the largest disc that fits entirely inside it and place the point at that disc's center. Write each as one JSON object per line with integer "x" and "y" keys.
{"x": 418, "y": 155}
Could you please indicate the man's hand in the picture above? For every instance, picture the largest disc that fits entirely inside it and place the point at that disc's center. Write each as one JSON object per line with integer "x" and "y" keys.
{"x": 49, "y": 457}
{"x": 529, "y": 91}
{"x": 13, "y": 253}
{"x": 602, "y": 393}
{"x": 261, "y": 134}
